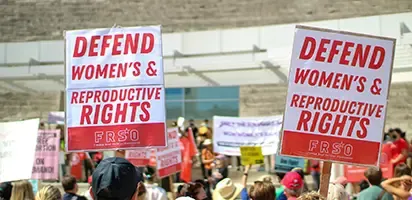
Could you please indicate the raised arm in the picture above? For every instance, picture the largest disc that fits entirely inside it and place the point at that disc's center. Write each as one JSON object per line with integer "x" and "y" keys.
{"x": 388, "y": 185}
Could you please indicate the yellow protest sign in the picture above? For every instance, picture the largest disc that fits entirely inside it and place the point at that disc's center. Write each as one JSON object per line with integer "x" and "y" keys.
{"x": 251, "y": 155}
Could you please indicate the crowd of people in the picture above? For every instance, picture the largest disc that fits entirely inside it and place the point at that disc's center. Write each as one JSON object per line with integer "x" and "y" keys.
{"x": 116, "y": 178}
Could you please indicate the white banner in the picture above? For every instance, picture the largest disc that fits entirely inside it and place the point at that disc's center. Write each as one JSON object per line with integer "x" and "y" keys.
{"x": 17, "y": 149}
{"x": 232, "y": 132}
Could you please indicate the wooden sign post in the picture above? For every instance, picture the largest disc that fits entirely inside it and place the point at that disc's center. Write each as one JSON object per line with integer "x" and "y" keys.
{"x": 325, "y": 178}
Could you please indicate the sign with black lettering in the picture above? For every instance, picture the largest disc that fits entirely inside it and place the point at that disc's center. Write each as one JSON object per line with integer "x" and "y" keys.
{"x": 46, "y": 163}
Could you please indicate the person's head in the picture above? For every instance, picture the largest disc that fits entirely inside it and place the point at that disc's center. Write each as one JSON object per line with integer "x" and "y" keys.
{"x": 206, "y": 122}
{"x": 293, "y": 184}
{"x": 374, "y": 175}
{"x": 227, "y": 190}
{"x": 396, "y": 134}
{"x": 115, "y": 178}
{"x": 300, "y": 172}
{"x": 337, "y": 192}
{"x": 208, "y": 144}
{"x": 69, "y": 184}
{"x": 280, "y": 176}
{"x": 262, "y": 190}
{"x": 179, "y": 190}
{"x": 341, "y": 180}
{"x": 22, "y": 190}
{"x": 49, "y": 192}
{"x": 266, "y": 178}
{"x": 363, "y": 185}
{"x": 402, "y": 169}
{"x": 311, "y": 196}
{"x": 191, "y": 122}
{"x": 193, "y": 190}
{"x": 5, "y": 190}
{"x": 150, "y": 174}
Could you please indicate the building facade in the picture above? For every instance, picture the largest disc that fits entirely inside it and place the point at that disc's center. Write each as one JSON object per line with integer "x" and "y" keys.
{"x": 222, "y": 57}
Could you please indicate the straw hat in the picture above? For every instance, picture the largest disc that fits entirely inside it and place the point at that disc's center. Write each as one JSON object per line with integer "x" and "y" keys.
{"x": 226, "y": 190}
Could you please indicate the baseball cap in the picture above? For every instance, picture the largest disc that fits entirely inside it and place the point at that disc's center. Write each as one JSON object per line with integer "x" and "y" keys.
{"x": 292, "y": 181}
{"x": 115, "y": 178}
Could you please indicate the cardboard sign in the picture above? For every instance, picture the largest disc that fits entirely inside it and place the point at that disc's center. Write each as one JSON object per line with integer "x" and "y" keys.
{"x": 286, "y": 164}
{"x": 115, "y": 89}
{"x": 229, "y": 133}
{"x": 17, "y": 149}
{"x": 251, "y": 155}
{"x": 337, "y": 96}
{"x": 169, "y": 159}
{"x": 139, "y": 157}
{"x": 46, "y": 164}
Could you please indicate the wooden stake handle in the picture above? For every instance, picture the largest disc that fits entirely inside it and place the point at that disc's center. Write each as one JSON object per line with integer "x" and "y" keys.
{"x": 325, "y": 179}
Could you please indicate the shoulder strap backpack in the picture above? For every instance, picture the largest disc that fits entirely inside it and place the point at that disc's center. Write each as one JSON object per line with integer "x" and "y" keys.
{"x": 381, "y": 194}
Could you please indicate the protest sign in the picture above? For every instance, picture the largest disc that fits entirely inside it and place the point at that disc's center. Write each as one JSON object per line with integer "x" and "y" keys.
{"x": 17, "y": 149}
{"x": 169, "y": 159}
{"x": 115, "y": 89}
{"x": 46, "y": 164}
{"x": 251, "y": 155}
{"x": 111, "y": 57}
{"x": 286, "y": 163}
{"x": 230, "y": 133}
{"x": 337, "y": 96}
{"x": 139, "y": 157}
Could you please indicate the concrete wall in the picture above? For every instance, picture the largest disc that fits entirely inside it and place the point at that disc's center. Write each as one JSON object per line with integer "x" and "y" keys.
{"x": 27, "y": 20}
{"x": 264, "y": 100}
{"x": 17, "y": 106}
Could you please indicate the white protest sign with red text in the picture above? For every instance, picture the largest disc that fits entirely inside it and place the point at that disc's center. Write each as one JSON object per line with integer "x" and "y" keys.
{"x": 114, "y": 57}
{"x": 169, "y": 159}
{"x": 139, "y": 157}
{"x": 46, "y": 164}
{"x": 115, "y": 92}
{"x": 337, "y": 96}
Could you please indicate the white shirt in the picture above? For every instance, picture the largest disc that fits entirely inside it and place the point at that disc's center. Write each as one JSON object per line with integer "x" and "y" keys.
{"x": 154, "y": 192}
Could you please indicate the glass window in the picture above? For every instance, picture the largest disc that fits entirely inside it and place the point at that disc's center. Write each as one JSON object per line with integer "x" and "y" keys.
{"x": 174, "y": 94}
{"x": 212, "y": 93}
{"x": 207, "y": 109}
{"x": 173, "y": 110}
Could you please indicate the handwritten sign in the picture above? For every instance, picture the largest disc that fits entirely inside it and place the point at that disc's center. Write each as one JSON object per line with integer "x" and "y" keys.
{"x": 46, "y": 164}
{"x": 251, "y": 155}
{"x": 17, "y": 149}
{"x": 230, "y": 133}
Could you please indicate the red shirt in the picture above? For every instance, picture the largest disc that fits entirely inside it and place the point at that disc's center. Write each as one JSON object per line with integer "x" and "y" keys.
{"x": 399, "y": 146}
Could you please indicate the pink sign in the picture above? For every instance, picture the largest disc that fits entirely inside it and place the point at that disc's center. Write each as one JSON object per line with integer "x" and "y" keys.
{"x": 46, "y": 162}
